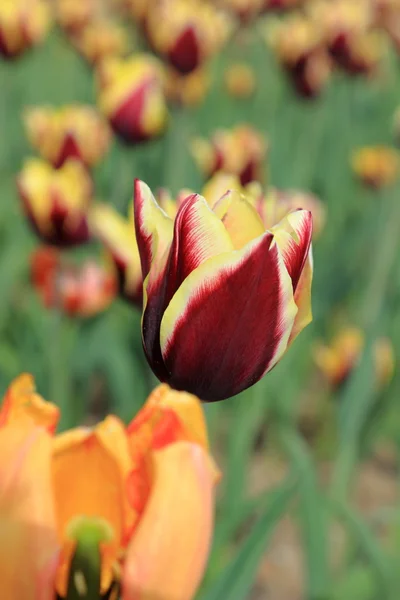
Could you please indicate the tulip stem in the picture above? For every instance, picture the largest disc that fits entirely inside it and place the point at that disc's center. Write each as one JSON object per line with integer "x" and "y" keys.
{"x": 176, "y": 145}
{"x": 358, "y": 395}
{"x": 61, "y": 335}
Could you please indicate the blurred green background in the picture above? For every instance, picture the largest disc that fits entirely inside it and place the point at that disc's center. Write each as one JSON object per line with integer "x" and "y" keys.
{"x": 308, "y": 505}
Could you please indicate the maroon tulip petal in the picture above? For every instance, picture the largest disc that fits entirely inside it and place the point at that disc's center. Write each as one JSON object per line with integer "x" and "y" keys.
{"x": 185, "y": 54}
{"x": 229, "y": 323}
{"x": 297, "y": 242}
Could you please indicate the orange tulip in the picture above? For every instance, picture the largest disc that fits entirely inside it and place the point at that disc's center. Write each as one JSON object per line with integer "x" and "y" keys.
{"x": 113, "y": 497}
{"x": 23, "y": 23}
{"x": 81, "y": 291}
{"x": 28, "y": 543}
{"x": 73, "y": 14}
{"x": 56, "y": 202}
{"x": 71, "y": 132}
{"x": 187, "y": 90}
{"x": 131, "y": 97}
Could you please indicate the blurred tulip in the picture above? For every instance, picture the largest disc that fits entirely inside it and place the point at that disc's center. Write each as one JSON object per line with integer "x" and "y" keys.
{"x": 245, "y": 10}
{"x": 298, "y": 44}
{"x": 118, "y": 236}
{"x": 147, "y": 488}
{"x": 376, "y": 166}
{"x": 281, "y": 5}
{"x": 187, "y": 90}
{"x": 223, "y": 296}
{"x": 186, "y": 32}
{"x": 56, "y": 202}
{"x": 132, "y": 98}
{"x": 346, "y": 26}
{"x": 113, "y": 497}
{"x": 138, "y": 9}
{"x": 73, "y": 14}
{"x": 23, "y": 23}
{"x": 28, "y": 542}
{"x": 100, "y": 39}
{"x": 240, "y": 80}
{"x": 276, "y": 203}
{"x": 73, "y": 131}
{"x": 240, "y": 151}
{"x": 79, "y": 291}
{"x": 338, "y": 360}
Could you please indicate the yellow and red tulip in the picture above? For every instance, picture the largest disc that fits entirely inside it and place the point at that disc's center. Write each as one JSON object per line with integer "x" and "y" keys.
{"x": 78, "y": 290}
{"x": 347, "y": 28}
{"x": 100, "y": 39}
{"x": 376, "y": 166}
{"x": 240, "y": 80}
{"x": 133, "y": 492}
{"x": 240, "y": 151}
{"x": 23, "y": 24}
{"x": 223, "y": 296}
{"x": 338, "y": 360}
{"x": 281, "y": 5}
{"x": 56, "y": 202}
{"x": 299, "y": 46}
{"x": 74, "y": 131}
{"x": 187, "y": 90}
{"x": 186, "y": 32}
{"x": 118, "y": 236}
{"x": 131, "y": 97}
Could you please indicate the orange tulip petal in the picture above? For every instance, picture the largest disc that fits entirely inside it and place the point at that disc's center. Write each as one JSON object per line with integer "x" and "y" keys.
{"x": 21, "y": 400}
{"x": 167, "y": 555}
{"x": 28, "y": 540}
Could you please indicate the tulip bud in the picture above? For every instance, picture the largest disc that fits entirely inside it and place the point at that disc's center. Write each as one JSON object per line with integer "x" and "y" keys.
{"x": 100, "y": 39}
{"x": 187, "y": 90}
{"x": 131, "y": 96}
{"x": 22, "y": 25}
{"x": 376, "y": 166}
{"x": 72, "y": 132}
{"x": 186, "y": 32}
{"x": 241, "y": 151}
{"x": 210, "y": 270}
{"x": 118, "y": 236}
{"x": 56, "y": 202}
{"x": 240, "y": 80}
{"x": 78, "y": 290}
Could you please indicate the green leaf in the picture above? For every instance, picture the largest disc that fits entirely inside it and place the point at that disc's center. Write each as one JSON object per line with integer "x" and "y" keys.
{"x": 236, "y": 580}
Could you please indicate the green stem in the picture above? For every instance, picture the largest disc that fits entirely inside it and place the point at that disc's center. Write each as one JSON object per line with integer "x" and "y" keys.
{"x": 358, "y": 395}
{"x": 176, "y": 150}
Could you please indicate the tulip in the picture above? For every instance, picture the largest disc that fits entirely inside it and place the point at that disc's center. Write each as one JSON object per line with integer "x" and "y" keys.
{"x": 95, "y": 509}
{"x": 223, "y": 297}
{"x": 299, "y": 46}
{"x": 245, "y": 10}
{"x": 74, "y": 14}
{"x": 280, "y": 5}
{"x": 100, "y": 39}
{"x": 131, "y": 97}
{"x": 186, "y": 32}
{"x": 376, "y": 166}
{"x": 56, "y": 202}
{"x": 72, "y": 132}
{"x": 338, "y": 360}
{"x": 241, "y": 151}
{"x": 27, "y": 514}
{"x": 22, "y": 25}
{"x": 79, "y": 291}
{"x": 187, "y": 90}
{"x": 118, "y": 236}
{"x": 275, "y": 203}
{"x": 240, "y": 81}
{"x": 347, "y": 29}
